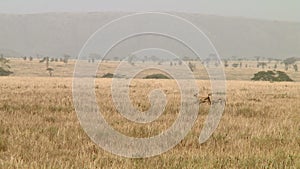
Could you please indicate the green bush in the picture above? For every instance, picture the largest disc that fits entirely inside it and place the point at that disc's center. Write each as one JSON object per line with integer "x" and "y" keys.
{"x": 108, "y": 75}
{"x": 4, "y": 67}
{"x": 276, "y": 76}
{"x": 4, "y": 72}
{"x": 157, "y": 76}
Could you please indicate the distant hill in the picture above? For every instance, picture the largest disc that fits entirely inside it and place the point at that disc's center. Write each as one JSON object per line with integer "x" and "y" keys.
{"x": 56, "y": 34}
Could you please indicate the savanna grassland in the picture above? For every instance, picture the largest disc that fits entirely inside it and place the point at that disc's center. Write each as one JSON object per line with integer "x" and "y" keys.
{"x": 260, "y": 127}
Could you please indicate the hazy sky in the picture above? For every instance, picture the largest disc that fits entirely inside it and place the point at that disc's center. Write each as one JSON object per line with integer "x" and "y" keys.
{"x": 264, "y": 9}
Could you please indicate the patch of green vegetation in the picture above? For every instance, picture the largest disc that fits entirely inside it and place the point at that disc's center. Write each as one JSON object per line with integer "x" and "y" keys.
{"x": 156, "y": 76}
{"x": 4, "y": 67}
{"x": 4, "y": 72}
{"x": 108, "y": 75}
{"x": 290, "y": 61}
{"x": 272, "y": 76}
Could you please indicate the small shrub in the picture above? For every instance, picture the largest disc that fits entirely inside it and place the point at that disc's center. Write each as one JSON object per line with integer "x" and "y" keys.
{"x": 157, "y": 76}
{"x": 235, "y": 65}
{"x": 108, "y": 75}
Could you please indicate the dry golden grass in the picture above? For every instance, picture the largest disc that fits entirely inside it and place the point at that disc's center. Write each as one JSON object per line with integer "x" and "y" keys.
{"x": 39, "y": 127}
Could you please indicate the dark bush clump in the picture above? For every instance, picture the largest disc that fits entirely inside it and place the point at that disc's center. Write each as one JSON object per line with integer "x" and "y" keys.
{"x": 4, "y": 72}
{"x": 157, "y": 76}
{"x": 276, "y": 76}
{"x": 108, "y": 75}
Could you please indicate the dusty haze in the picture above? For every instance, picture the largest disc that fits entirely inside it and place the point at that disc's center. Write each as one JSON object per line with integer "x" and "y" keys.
{"x": 56, "y": 34}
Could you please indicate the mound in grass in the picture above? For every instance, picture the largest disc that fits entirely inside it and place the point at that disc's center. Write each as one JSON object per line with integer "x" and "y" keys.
{"x": 108, "y": 75}
{"x": 272, "y": 76}
{"x": 156, "y": 76}
{"x": 4, "y": 72}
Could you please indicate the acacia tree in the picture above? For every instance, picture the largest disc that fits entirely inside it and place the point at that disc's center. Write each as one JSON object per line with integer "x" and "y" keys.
{"x": 47, "y": 62}
{"x": 261, "y": 64}
{"x": 257, "y": 58}
{"x": 179, "y": 62}
{"x": 50, "y": 71}
{"x": 286, "y": 66}
{"x": 130, "y": 59}
{"x": 66, "y": 58}
{"x": 289, "y": 61}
